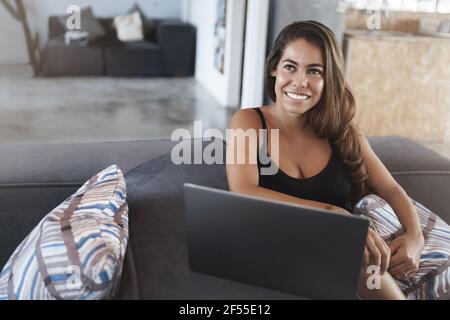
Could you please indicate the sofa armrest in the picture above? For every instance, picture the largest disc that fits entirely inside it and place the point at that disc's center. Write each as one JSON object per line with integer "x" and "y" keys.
{"x": 177, "y": 41}
{"x": 55, "y": 28}
{"x": 35, "y": 178}
{"x": 422, "y": 172}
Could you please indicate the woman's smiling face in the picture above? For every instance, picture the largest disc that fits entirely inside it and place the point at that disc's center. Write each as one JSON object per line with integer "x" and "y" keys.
{"x": 299, "y": 77}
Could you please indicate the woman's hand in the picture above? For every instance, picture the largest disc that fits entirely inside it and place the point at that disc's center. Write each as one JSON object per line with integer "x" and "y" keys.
{"x": 376, "y": 252}
{"x": 406, "y": 250}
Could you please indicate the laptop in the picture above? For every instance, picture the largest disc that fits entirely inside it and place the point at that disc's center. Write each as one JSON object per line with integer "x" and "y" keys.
{"x": 294, "y": 249}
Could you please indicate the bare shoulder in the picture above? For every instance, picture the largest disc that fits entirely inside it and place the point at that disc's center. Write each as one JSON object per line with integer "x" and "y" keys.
{"x": 245, "y": 119}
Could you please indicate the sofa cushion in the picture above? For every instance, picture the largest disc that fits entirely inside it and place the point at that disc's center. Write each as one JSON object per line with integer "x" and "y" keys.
{"x": 148, "y": 24}
{"x": 140, "y": 58}
{"x": 129, "y": 27}
{"x": 68, "y": 60}
{"x": 77, "y": 250}
{"x": 110, "y": 38}
{"x": 155, "y": 197}
{"x": 89, "y": 23}
{"x": 430, "y": 281}
{"x": 422, "y": 172}
{"x": 141, "y": 46}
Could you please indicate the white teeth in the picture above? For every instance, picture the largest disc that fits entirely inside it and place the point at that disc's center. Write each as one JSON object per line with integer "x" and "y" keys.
{"x": 297, "y": 96}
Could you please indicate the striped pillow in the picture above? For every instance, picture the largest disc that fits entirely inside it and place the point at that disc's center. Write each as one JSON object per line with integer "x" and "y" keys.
{"x": 77, "y": 250}
{"x": 432, "y": 280}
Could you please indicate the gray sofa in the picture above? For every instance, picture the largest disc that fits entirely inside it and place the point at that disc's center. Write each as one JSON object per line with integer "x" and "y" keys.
{"x": 167, "y": 50}
{"x": 37, "y": 177}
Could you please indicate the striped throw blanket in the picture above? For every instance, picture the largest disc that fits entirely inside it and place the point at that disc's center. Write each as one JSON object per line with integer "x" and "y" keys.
{"x": 432, "y": 281}
{"x": 77, "y": 250}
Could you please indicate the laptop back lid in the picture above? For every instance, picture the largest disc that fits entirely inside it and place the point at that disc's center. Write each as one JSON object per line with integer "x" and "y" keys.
{"x": 290, "y": 248}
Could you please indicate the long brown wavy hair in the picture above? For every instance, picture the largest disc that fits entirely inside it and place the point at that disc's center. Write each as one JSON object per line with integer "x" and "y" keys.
{"x": 332, "y": 117}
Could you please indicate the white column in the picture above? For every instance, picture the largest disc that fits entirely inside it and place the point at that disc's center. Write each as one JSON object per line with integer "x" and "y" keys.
{"x": 255, "y": 53}
{"x": 233, "y": 50}
{"x": 186, "y": 10}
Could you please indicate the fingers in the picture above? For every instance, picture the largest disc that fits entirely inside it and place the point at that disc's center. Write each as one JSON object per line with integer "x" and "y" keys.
{"x": 399, "y": 272}
{"x": 395, "y": 245}
{"x": 403, "y": 267}
{"x": 411, "y": 272}
{"x": 379, "y": 250}
{"x": 403, "y": 261}
{"x": 385, "y": 253}
{"x": 374, "y": 252}
{"x": 366, "y": 260}
{"x": 397, "y": 259}
{"x": 403, "y": 272}
{"x": 375, "y": 256}
{"x": 404, "y": 264}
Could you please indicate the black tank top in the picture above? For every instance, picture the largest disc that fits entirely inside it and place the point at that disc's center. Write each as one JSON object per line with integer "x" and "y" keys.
{"x": 331, "y": 185}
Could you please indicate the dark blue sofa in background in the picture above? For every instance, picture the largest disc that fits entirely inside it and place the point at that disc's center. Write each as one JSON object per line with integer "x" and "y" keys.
{"x": 167, "y": 50}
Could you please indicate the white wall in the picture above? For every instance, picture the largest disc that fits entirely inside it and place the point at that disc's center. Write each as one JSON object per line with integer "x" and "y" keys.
{"x": 255, "y": 53}
{"x": 12, "y": 42}
{"x": 224, "y": 87}
{"x": 283, "y": 12}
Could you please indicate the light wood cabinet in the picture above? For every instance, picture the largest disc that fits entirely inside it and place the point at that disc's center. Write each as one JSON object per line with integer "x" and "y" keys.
{"x": 401, "y": 83}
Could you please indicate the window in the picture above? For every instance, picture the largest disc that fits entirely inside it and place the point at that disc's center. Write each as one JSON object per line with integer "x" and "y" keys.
{"x": 440, "y": 6}
{"x": 443, "y": 6}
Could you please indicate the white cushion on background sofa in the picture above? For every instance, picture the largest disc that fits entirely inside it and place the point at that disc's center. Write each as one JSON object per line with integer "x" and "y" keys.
{"x": 129, "y": 27}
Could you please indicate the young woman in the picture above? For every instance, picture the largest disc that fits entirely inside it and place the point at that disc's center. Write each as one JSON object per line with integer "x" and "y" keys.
{"x": 324, "y": 159}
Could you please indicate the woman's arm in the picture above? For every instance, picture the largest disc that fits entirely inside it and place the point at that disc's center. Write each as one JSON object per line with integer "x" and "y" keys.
{"x": 388, "y": 189}
{"x": 405, "y": 249}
